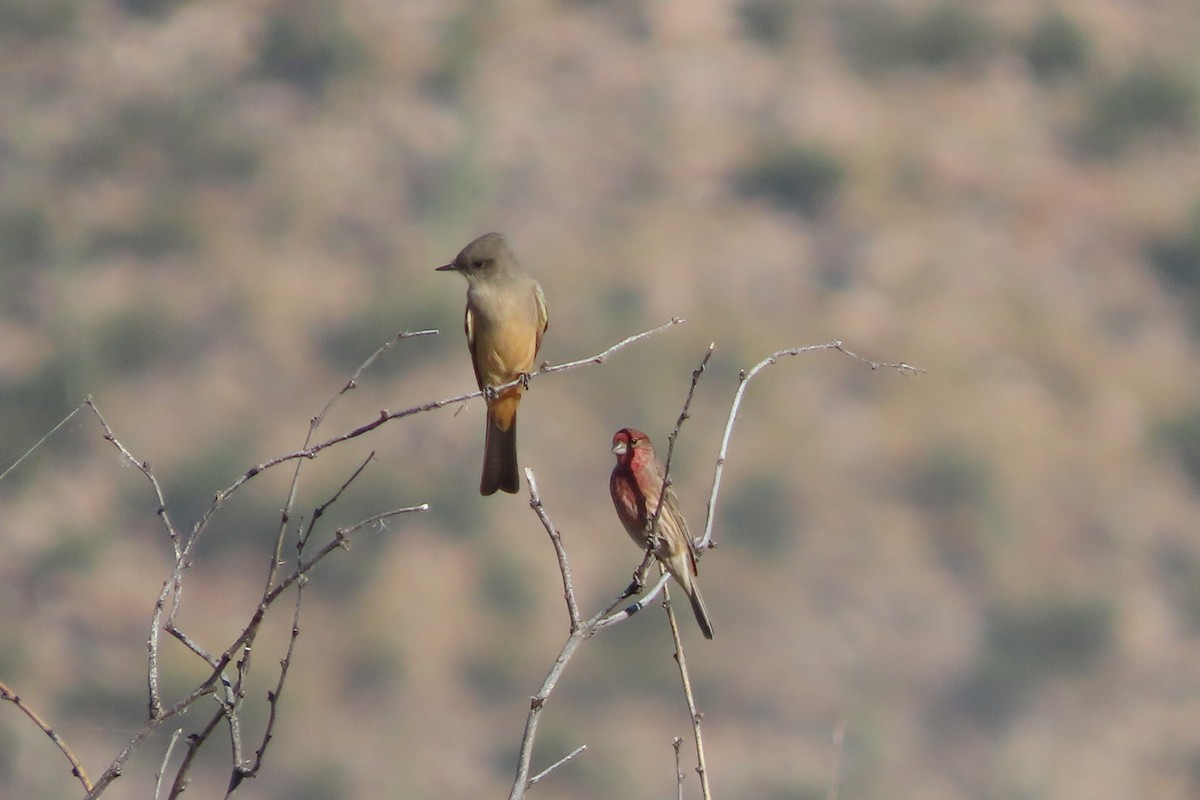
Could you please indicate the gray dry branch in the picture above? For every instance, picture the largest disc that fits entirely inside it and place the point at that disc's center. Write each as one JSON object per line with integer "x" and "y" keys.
{"x": 582, "y": 630}
{"x": 228, "y": 669}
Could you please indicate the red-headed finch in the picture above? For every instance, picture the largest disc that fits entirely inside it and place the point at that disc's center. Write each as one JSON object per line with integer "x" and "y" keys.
{"x": 505, "y": 320}
{"x": 636, "y": 484}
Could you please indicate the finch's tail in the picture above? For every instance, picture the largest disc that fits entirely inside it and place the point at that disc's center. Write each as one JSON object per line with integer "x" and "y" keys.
{"x": 500, "y": 458}
{"x": 700, "y": 611}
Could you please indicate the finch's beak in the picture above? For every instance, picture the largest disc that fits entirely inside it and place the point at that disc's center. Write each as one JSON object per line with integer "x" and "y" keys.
{"x": 445, "y": 267}
{"x": 620, "y": 448}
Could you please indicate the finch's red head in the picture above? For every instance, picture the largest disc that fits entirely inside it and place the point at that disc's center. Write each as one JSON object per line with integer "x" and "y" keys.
{"x": 628, "y": 441}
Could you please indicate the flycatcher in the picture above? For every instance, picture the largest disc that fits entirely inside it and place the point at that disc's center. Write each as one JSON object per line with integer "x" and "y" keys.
{"x": 506, "y": 317}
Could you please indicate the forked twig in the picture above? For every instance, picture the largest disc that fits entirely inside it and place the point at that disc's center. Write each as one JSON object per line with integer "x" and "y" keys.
{"x": 387, "y": 416}
{"x": 744, "y": 379}
{"x": 652, "y": 524}
{"x": 579, "y": 632}
{"x": 76, "y": 767}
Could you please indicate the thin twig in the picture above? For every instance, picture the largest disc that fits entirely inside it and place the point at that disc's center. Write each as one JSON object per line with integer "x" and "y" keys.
{"x": 652, "y": 524}
{"x": 535, "y": 502}
{"x": 194, "y": 742}
{"x": 242, "y": 771}
{"x": 174, "y": 583}
{"x": 387, "y": 416}
{"x": 677, "y": 745}
{"x": 43, "y": 440}
{"x": 536, "y": 704}
{"x": 609, "y": 618}
{"x": 744, "y": 379}
{"x": 76, "y": 767}
{"x": 557, "y": 764}
{"x": 696, "y": 716}
{"x": 162, "y": 770}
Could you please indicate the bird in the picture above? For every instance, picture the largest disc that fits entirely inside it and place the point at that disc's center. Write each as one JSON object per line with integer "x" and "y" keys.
{"x": 636, "y": 484}
{"x": 505, "y": 321}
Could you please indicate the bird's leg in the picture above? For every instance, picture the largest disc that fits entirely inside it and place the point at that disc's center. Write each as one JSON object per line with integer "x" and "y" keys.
{"x": 490, "y": 393}
{"x": 639, "y": 575}
{"x": 524, "y": 376}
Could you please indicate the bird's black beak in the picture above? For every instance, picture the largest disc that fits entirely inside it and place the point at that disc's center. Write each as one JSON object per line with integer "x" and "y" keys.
{"x": 446, "y": 267}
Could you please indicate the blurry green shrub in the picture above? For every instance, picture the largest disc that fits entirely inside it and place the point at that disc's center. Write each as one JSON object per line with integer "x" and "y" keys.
{"x": 1025, "y": 645}
{"x": 37, "y": 19}
{"x": 949, "y": 479}
{"x": 161, "y": 230}
{"x": 10, "y": 751}
{"x": 767, "y": 22}
{"x": 195, "y": 133}
{"x": 504, "y": 587}
{"x": 951, "y": 486}
{"x": 1056, "y": 46}
{"x": 1144, "y": 100}
{"x": 802, "y": 179}
{"x": 24, "y": 237}
{"x": 947, "y": 34}
{"x": 190, "y": 138}
{"x": 307, "y": 45}
{"x": 756, "y": 517}
{"x": 373, "y": 669}
{"x": 91, "y": 703}
{"x": 150, "y": 8}
{"x": 1181, "y": 434}
{"x": 1176, "y": 256}
{"x": 1179, "y": 570}
{"x": 32, "y": 404}
{"x": 68, "y": 552}
{"x": 320, "y": 779}
{"x": 492, "y": 675}
{"x": 461, "y": 42}
{"x": 879, "y": 38}
{"x": 139, "y": 338}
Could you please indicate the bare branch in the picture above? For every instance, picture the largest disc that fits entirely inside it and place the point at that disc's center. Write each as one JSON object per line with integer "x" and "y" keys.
{"x": 900, "y": 366}
{"x": 43, "y": 440}
{"x": 579, "y": 632}
{"x": 744, "y": 379}
{"x": 387, "y": 416}
{"x": 557, "y": 764}
{"x": 536, "y": 704}
{"x": 676, "y": 745}
{"x": 76, "y": 767}
{"x": 696, "y": 716}
{"x": 652, "y": 529}
{"x": 352, "y": 383}
{"x": 609, "y": 618}
{"x": 535, "y": 502}
{"x": 599, "y": 358}
{"x": 230, "y": 668}
{"x": 173, "y": 585}
{"x": 162, "y": 770}
{"x": 193, "y": 746}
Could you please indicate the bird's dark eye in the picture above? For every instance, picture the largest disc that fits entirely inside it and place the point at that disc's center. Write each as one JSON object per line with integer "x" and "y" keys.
{"x": 477, "y": 263}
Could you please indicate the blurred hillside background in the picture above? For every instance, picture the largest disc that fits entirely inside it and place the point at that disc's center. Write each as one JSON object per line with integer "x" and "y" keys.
{"x": 212, "y": 212}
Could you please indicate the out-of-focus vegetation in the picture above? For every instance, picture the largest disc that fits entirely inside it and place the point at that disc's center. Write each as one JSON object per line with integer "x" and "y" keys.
{"x": 211, "y": 213}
